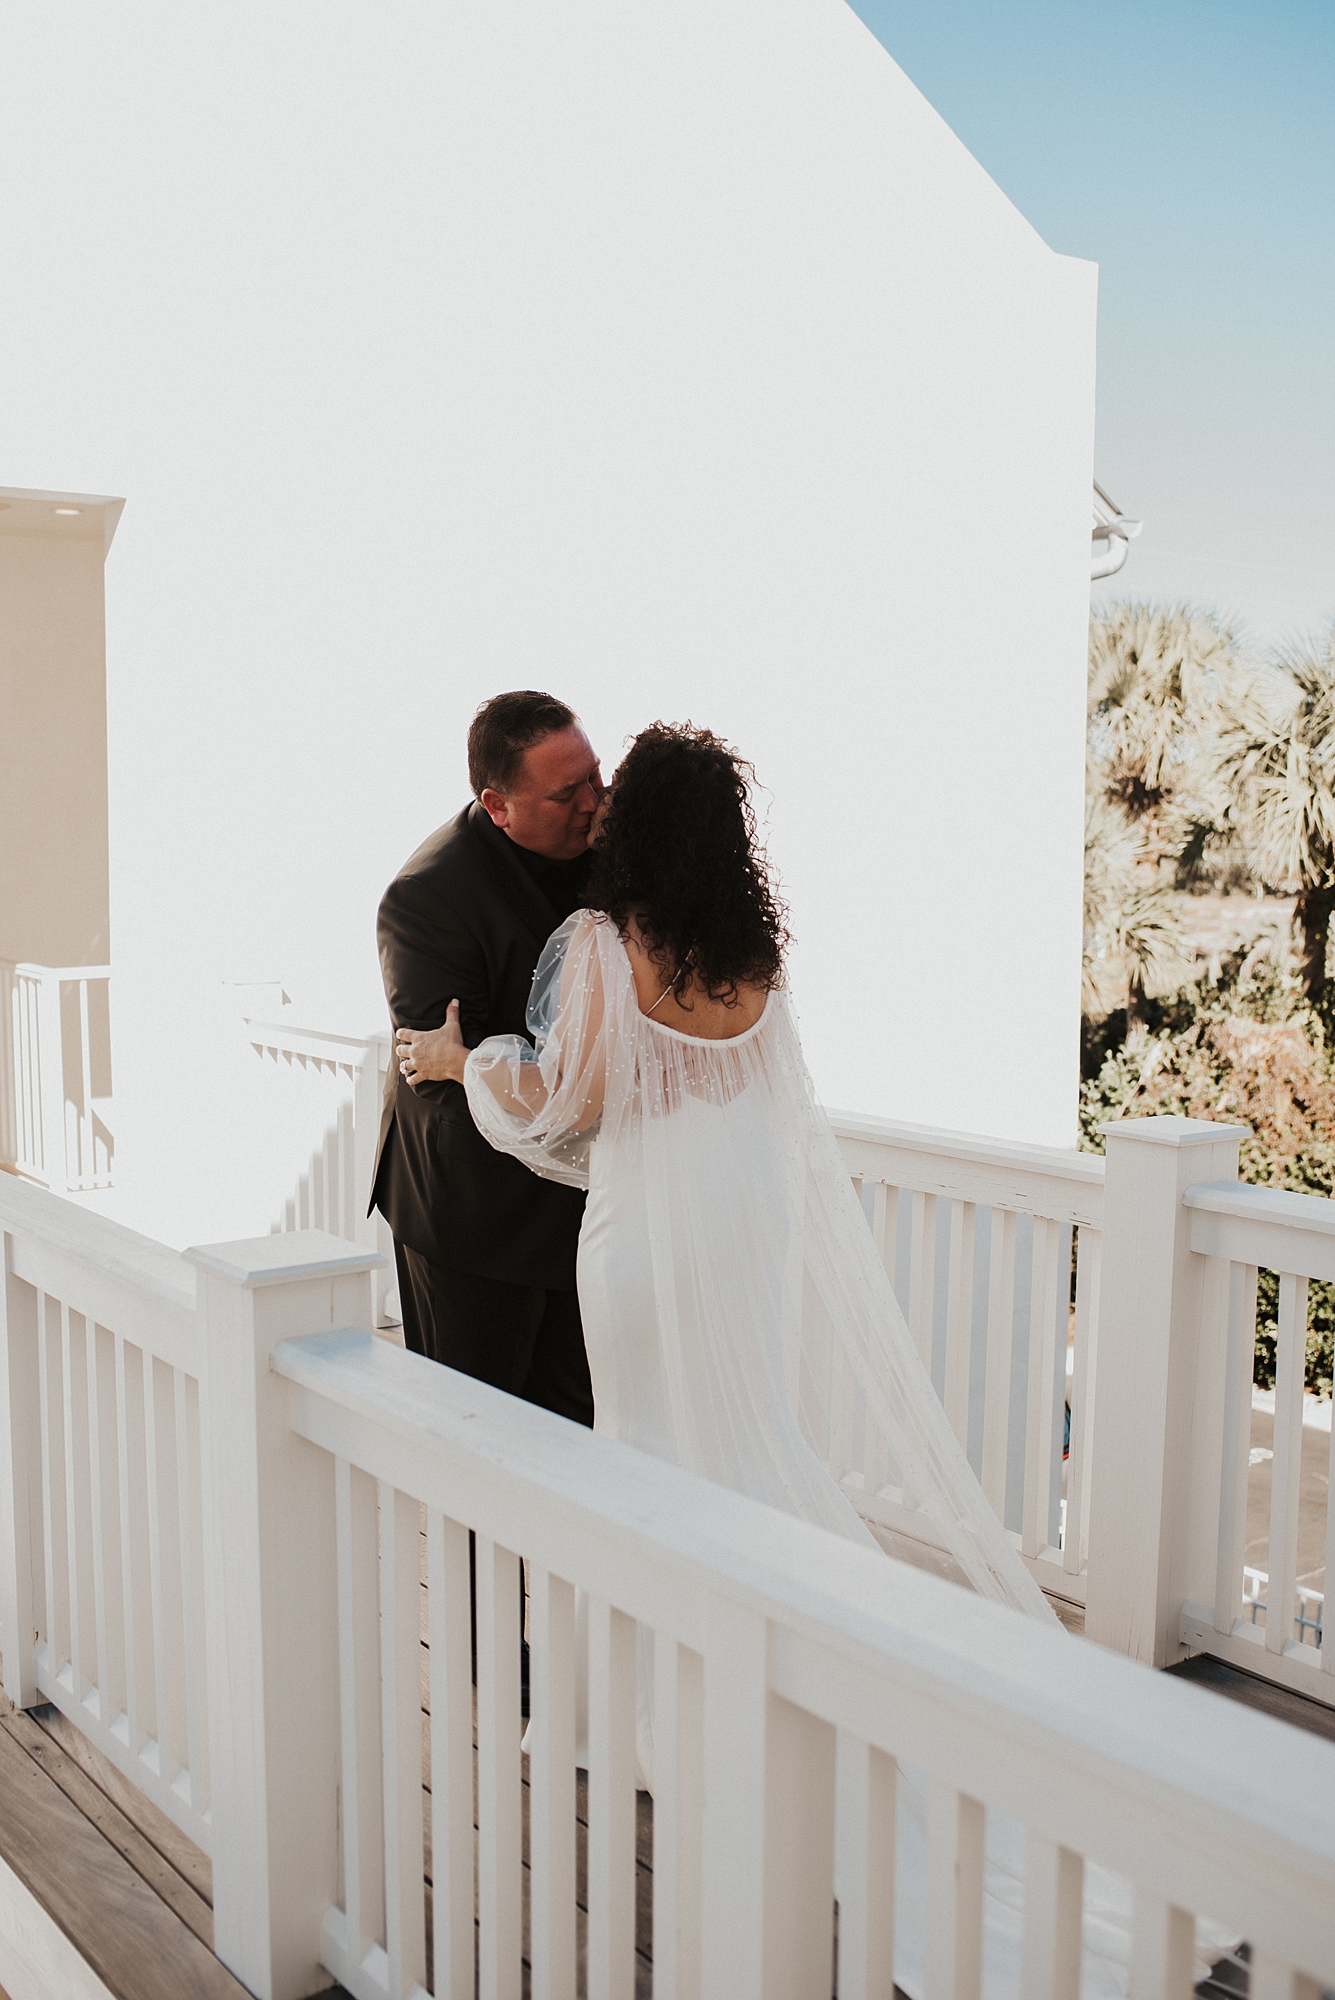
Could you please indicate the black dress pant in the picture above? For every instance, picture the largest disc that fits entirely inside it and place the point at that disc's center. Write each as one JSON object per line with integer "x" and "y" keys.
{"x": 521, "y": 1338}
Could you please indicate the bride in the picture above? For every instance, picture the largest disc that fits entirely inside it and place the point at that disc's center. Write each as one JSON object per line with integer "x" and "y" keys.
{"x": 737, "y": 1319}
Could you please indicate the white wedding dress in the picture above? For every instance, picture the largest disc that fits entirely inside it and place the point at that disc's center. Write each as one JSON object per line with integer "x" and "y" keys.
{"x": 732, "y": 1300}
{"x": 735, "y": 1311}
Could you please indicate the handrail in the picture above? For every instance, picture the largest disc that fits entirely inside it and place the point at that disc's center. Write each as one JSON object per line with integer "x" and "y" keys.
{"x": 317, "y": 1042}
{"x": 1063, "y": 1161}
{"x": 107, "y": 1249}
{"x": 1053, "y": 1181}
{"x": 1084, "y": 1746}
{"x": 1271, "y": 1227}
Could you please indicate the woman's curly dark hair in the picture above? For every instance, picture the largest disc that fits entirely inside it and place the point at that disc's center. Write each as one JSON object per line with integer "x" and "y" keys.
{"x": 678, "y": 849}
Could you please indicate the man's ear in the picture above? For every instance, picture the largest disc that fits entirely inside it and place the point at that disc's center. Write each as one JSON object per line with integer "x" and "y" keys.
{"x": 495, "y": 807}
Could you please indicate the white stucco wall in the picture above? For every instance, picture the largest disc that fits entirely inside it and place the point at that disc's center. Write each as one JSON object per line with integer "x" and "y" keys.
{"x": 679, "y": 360}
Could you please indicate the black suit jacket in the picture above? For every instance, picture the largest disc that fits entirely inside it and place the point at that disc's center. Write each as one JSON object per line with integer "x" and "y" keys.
{"x": 465, "y": 920}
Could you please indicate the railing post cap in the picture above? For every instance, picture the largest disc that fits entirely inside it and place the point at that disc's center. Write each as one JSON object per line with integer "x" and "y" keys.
{"x": 1170, "y": 1130}
{"x": 274, "y": 1260}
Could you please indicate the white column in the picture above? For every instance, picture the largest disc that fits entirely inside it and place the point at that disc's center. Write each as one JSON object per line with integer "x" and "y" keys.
{"x": 1153, "y": 1511}
{"x": 271, "y": 1604}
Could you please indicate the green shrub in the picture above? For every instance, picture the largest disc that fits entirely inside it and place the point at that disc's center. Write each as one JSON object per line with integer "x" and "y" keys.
{"x": 1246, "y": 1049}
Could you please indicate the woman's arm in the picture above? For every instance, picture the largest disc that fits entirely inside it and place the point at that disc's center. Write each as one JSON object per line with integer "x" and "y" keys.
{"x": 438, "y": 1055}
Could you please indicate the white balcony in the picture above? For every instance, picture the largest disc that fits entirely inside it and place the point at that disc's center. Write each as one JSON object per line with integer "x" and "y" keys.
{"x": 237, "y": 1524}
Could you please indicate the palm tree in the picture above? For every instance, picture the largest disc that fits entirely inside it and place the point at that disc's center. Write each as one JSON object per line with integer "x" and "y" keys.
{"x": 1134, "y": 942}
{"x": 1283, "y": 773}
{"x": 1163, "y": 680}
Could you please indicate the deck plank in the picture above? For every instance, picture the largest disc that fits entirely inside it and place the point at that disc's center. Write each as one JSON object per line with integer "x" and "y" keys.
{"x": 1286, "y": 1704}
{"x": 176, "y": 1848}
{"x": 139, "y": 1947}
{"x": 112, "y": 1824}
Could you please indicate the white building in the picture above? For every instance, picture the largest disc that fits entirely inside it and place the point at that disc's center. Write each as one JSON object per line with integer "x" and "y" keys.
{"x": 684, "y": 363}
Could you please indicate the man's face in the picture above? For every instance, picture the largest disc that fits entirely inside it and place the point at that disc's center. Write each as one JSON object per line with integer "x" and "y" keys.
{"x": 551, "y": 808}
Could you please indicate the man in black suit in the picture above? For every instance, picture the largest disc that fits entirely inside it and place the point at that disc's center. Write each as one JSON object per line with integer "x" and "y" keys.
{"x": 485, "y": 1249}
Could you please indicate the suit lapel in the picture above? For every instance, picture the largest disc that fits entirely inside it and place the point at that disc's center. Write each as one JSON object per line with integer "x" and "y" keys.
{"x": 520, "y": 891}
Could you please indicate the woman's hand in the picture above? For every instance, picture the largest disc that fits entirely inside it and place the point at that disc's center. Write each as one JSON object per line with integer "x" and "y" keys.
{"x": 433, "y": 1055}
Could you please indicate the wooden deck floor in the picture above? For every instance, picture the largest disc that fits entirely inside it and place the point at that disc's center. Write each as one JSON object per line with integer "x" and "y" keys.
{"x": 127, "y": 1890}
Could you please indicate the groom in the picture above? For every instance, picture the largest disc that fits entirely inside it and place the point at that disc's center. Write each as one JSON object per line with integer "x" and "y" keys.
{"x": 485, "y": 1249}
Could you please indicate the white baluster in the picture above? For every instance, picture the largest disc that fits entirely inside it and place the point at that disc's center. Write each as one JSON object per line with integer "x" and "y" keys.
{"x": 1000, "y": 1335}
{"x": 105, "y": 1521}
{"x": 83, "y": 1636}
{"x": 169, "y": 1600}
{"x": 864, "y": 1868}
{"x": 1286, "y": 1471}
{"x": 87, "y": 1171}
{"x": 678, "y": 1801}
{"x": 1088, "y": 1266}
{"x": 452, "y": 1759}
{"x": 1042, "y": 1448}
{"x": 1163, "y": 1942}
{"x": 922, "y": 1276}
{"x": 1053, "y": 1889}
{"x": 50, "y": 1069}
{"x": 612, "y": 1775}
{"x": 959, "y": 1318}
{"x": 956, "y": 1826}
{"x": 132, "y": 1497}
{"x": 551, "y": 1617}
{"x": 356, "y": 1515}
{"x": 186, "y": 1526}
{"x": 799, "y": 1852}
{"x": 736, "y": 1681}
{"x": 54, "y": 1541}
{"x": 1239, "y": 1364}
{"x": 499, "y": 1727}
{"x": 401, "y": 1739}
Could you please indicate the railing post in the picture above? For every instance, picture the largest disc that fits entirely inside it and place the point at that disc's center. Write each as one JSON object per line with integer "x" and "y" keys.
{"x": 20, "y": 1499}
{"x": 270, "y": 1605}
{"x": 1150, "y": 1488}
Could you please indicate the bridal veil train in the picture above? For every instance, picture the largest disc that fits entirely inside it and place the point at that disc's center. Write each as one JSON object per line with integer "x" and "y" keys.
{"x": 734, "y": 1306}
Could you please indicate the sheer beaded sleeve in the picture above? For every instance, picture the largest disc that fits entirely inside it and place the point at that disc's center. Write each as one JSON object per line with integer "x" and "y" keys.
{"x": 544, "y": 1101}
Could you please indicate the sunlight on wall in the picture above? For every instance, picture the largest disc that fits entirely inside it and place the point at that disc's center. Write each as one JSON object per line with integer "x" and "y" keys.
{"x": 682, "y": 362}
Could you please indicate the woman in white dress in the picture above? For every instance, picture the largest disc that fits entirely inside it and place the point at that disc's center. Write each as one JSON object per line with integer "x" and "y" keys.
{"x": 737, "y": 1318}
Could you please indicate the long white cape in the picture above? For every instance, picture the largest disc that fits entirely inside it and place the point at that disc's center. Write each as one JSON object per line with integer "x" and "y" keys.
{"x": 740, "y": 1323}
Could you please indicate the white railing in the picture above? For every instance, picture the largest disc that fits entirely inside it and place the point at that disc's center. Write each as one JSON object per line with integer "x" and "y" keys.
{"x": 331, "y": 1089}
{"x": 978, "y": 1237}
{"x": 99, "y": 1418}
{"x": 1308, "y": 1610}
{"x": 303, "y": 1484}
{"x": 794, "y": 1684}
{"x": 55, "y": 1075}
{"x": 1238, "y": 1230}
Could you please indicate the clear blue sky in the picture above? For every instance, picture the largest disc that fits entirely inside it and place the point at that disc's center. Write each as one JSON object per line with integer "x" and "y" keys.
{"x": 1189, "y": 150}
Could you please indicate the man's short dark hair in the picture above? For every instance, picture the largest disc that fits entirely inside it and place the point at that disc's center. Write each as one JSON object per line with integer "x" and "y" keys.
{"x": 503, "y": 729}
